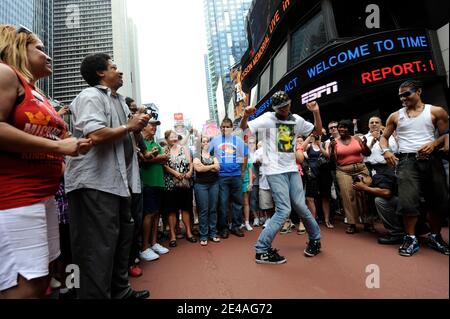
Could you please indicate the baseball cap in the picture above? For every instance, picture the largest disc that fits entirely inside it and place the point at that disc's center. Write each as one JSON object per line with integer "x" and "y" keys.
{"x": 153, "y": 121}
{"x": 280, "y": 99}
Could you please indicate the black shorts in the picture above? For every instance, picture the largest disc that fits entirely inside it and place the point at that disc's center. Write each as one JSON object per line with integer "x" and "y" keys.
{"x": 153, "y": 198}
{"x": 416, "y": 178}
{"x": 178, "y": 199}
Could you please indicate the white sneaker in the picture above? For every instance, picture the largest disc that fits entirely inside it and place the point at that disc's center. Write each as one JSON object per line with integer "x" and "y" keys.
{"x": 242, "y": 226}
{"x": 248, "y": 227}
{"x": 148, "y": 255}
{"x": 160, "y": 249}
{"x": 256, "y": 222}
{"x": 266, "y": 222}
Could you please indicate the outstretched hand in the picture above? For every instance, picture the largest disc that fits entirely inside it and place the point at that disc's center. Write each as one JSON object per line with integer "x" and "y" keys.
{"x": 312, "y": 106}
{"x": 249, "y": 110}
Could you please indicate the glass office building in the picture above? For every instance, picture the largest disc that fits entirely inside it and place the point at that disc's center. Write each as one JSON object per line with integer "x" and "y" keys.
{"x": 225, "y": 22}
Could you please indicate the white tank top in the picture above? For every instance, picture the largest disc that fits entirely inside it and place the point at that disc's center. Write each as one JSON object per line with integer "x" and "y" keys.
{"x": 415, "y": 132}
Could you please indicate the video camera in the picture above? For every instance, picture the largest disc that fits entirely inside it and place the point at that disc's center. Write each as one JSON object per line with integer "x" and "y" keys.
{"x": 151, "y": 112}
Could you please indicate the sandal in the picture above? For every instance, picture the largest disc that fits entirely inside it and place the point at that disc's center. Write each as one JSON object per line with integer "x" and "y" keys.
{"x": 329, "y": 225}
{"x": 351, "y": 229}
{"x": 203, "y": 242}
{"x": 301, "y": 229}
{"x": 286, "y": 228}
{"x": 173, "y": 243}
{"x": 192, "y": 239}
{"x": 215, "y": 239}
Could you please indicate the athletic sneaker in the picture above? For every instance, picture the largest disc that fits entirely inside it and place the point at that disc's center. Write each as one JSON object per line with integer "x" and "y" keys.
{"x": 437, "y": 243}
{"x": 270, "y": 257}
{"x": 148, "y": 255}
{"x": 266, "y": 222}
{"x": 157, "y": 248}
{"x": 248, "y": 227}
{"x": 313, "y": 248}
{"x": 256, "y": 222}
{"x": 409, "y": 247}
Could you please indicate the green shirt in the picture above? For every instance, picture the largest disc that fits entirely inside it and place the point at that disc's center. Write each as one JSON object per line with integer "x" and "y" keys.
{"x": 152, "y": 174}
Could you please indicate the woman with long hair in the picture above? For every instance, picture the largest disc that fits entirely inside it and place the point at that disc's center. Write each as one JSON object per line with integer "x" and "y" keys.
{"x": 32, "y": 147}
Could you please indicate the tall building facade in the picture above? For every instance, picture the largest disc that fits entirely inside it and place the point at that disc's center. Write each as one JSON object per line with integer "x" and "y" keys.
{"x": 17, "y": 12}
{"x": 225, "y": 22}
{"x": 209, "y": 89}
{"x": 83, "y": 27}
{"x": 36, "y": 15}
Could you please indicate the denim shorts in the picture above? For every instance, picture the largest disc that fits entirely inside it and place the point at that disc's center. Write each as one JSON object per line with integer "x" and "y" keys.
{"x": 421, "y": 178}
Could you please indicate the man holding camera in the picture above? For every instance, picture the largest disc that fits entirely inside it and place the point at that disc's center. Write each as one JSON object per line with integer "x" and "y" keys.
{"x": 376, "y": 162}
{"x": 419, "y": 168}
{"x": 99, "y": 185}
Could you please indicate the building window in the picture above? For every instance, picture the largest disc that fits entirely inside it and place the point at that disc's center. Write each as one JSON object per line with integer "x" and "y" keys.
{"x": 280, "y": 63}
{"x": 307, "y": 39}
{"x": 264, "y": 83}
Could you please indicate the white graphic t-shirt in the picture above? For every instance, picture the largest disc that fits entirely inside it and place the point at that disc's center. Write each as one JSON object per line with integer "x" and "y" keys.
{"x": 279, "y": 140}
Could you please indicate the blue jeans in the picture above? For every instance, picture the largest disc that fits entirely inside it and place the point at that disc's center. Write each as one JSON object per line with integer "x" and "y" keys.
{"x": 287, "y": 190}
{"x": 230, "y": 186}
{"x": 207, "y": 196}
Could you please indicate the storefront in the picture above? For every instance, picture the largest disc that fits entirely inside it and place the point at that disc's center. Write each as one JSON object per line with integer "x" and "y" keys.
{"x": 350, "y": 77}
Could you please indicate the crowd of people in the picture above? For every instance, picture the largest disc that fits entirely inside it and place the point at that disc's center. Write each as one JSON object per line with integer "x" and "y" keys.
{"x": 103, "y": 196}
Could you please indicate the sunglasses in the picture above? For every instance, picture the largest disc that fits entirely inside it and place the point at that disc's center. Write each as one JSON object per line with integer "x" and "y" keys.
{"x": 332, "y": 127}
{"x": 23, "y": 29}
{"x": 407, "y": 93}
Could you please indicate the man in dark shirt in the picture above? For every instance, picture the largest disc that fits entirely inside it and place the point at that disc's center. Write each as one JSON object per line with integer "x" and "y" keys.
{"x": 384, "y": 188}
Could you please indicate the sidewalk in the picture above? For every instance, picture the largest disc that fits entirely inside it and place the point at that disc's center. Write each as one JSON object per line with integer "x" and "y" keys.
{"x": 228, "y": 269}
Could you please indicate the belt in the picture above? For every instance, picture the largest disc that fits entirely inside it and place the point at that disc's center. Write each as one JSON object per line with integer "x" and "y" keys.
{"x": 406, "y": 155}
{"x": 376, "y": 165}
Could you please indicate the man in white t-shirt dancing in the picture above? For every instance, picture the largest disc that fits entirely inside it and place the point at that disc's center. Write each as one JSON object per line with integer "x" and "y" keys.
{"x": 419, "y": 169}
{"x": 279, "y": 129}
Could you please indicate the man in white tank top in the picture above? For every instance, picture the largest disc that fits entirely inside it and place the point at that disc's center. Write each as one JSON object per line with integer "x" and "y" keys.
{"x": 419, "y": 169}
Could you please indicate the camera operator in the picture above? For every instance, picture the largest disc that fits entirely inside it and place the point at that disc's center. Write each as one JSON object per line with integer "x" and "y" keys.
{"x": 383, "y": 187}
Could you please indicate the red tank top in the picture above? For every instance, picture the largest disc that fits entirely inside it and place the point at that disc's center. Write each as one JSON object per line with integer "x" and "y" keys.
{"x": 28, "y": 178}
{"x": 348, "y": 154}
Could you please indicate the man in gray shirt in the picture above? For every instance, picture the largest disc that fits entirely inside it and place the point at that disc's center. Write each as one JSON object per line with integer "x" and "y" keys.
{"x": 99, "y": 184}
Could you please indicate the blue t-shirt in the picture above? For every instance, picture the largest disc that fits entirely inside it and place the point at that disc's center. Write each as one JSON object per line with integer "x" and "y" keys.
{"x": 230, "y": 152}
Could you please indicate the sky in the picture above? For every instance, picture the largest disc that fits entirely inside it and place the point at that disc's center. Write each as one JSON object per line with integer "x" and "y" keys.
{"x": 172, "y": 44}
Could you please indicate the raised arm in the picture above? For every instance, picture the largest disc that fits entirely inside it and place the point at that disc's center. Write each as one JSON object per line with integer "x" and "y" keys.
{"x": 314, "y": 108}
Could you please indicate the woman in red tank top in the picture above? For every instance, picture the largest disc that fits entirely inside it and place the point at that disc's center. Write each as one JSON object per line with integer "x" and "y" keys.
{"x": 32, "y": 147}
{"x": 348, "y": 151}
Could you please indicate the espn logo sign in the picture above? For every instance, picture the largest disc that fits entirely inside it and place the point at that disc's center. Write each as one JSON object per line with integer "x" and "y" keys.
{"x": 315, "y": 94}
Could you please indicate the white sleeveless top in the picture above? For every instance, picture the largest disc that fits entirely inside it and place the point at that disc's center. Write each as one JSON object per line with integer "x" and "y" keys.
{"x": 415, "y": 132}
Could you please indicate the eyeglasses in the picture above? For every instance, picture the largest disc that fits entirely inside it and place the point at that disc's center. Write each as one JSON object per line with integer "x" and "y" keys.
{"x": 332, "y": 127}
{"x": 23, "y": 29}
{"x": 407, "y": 93}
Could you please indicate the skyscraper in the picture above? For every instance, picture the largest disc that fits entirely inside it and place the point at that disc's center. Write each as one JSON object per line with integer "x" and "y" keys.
{"x": 36, "y": 15}
{"x": 226, "y": 41}
{"x": 83, "y": 27}
{"x": 211, "y": 96}
{"x": 17, "y": 12}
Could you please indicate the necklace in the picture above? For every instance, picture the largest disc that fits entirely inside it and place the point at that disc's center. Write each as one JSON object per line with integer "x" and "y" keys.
{"x": 415, "y": 112}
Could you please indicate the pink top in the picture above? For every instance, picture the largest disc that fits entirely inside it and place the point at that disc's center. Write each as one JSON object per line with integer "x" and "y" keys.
{"x": 348, "y": 154}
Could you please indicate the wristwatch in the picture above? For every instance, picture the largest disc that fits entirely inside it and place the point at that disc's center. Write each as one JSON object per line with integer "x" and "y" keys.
{"x": 384, "y": 150}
